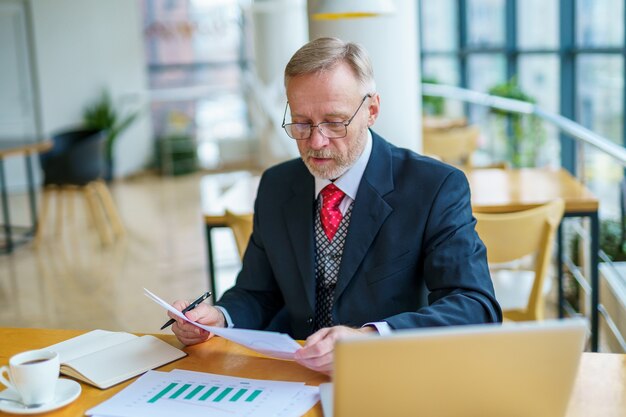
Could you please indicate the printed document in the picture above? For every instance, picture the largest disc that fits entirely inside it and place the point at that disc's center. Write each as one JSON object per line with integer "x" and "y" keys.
{"x": 199, "y": 394}
{"x": 276, "y": 345}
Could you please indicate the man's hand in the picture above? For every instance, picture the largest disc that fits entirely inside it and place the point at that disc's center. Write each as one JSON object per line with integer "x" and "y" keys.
{"x": 317, "y": 353}
{"x": 187, "y": 333}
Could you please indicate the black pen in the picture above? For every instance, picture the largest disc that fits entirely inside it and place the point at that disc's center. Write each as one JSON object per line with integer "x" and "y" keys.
{"x": 189, "y": 307}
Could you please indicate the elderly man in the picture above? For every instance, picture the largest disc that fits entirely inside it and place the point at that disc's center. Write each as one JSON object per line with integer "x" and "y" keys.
{"x": 357, "y": 235}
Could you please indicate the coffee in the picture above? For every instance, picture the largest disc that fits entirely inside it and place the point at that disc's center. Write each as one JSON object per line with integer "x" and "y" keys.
{"x": 34, "y": 361}
{"x": 36, "y": 382}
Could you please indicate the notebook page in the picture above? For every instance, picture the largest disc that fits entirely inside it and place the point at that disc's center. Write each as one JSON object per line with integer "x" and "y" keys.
{"x": 89, "y": 343}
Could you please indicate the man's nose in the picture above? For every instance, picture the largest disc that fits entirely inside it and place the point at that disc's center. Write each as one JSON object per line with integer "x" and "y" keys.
{"x": 317, "y": 140}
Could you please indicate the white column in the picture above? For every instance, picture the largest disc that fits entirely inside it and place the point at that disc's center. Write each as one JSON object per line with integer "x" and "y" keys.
{"x": 280, "y": 29}
{"x": 393, "y": 44}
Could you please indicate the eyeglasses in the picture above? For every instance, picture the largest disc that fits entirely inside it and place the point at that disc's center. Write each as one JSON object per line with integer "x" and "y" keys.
{"x": 330, "y": 130}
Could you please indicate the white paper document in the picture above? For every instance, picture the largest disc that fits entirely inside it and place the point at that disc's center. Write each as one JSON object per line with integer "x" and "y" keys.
{"x": 276, "y": 345}
{"x": 198, "y": 394}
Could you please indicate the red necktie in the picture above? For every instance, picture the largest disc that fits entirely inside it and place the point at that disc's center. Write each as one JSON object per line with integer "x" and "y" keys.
{"x": 330, "y": 214}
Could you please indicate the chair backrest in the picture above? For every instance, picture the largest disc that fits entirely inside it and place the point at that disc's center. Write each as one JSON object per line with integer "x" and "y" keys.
{"x": 241, "y": 224}
{"x": 455, "y": 145}
{"x": 76, "y": 157}
{"x": 511, "y": 236}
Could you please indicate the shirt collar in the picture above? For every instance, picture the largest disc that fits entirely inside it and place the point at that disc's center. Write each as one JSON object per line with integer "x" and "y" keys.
{"x": 350, "y": 180}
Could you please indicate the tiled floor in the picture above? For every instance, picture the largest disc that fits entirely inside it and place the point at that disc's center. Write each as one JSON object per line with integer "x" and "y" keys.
{"x": 72, "y": 281}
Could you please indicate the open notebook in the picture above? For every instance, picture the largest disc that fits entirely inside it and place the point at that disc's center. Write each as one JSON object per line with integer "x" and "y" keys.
{"x": 103, "y": 359}
{"x": 525, "y": 369}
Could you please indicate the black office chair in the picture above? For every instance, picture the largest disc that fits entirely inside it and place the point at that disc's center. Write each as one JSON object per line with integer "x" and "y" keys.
{"x": 76, "y": 162}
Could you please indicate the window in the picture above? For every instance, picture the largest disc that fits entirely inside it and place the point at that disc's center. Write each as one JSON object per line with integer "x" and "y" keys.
{"x": 600, "y": 87}
{"x": 195, "y": 52}
{"x": 439, "y": 25}
{"x": 498, "y": 41}
{"x": 485, "y": 22}
{"x": 538, "y": 24}
{"x": 600, "y": 23}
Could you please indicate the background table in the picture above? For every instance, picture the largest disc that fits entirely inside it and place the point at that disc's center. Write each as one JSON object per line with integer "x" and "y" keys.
{"x": 599, "y": 391}
{"x": 220, "y": 192}
{"x": 509, "y": 190}
{"x": 13, "y": 148}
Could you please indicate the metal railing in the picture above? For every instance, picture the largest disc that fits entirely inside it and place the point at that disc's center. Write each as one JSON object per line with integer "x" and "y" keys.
{"x": 566, "y": 125}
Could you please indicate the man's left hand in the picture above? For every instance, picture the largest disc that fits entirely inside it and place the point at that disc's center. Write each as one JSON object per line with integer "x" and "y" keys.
{"x": 317, "y": 352}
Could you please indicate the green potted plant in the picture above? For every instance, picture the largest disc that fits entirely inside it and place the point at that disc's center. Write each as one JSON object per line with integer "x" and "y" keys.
{"x": 176, "y": 154}
{"x": 176, "y": 148}
{"x": 102, "y": 114}
{"x": 524, "y": 133}
{"x": 612, "y": 240}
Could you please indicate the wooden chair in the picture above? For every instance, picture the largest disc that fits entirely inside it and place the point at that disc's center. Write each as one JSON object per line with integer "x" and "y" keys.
{"x": 454, "y": 145}
{"x": 512, "y": 236}
{"x": 241, "y": 225}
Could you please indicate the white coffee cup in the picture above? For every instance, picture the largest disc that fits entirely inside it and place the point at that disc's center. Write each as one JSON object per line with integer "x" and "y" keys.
{"x": 33, "y": 374}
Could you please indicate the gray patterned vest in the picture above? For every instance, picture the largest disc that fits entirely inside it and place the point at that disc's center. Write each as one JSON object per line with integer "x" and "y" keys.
{"x": 327, "y": 262}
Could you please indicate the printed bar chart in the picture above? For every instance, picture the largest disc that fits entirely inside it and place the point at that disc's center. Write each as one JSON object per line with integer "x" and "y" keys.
{"x": 221, "y": 392}
{"x": 196, "y": 394}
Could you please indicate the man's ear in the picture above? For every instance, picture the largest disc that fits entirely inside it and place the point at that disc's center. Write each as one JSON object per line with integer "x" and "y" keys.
{"x": 374, "y": 109}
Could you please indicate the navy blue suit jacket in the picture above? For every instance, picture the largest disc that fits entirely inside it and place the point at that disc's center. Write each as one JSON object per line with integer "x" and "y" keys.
{"x": 411, "y": 258}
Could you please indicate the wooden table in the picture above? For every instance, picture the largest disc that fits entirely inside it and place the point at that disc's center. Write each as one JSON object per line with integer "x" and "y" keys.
{"x": 233, "y": 191}
{"x": 13, "y": 148}
{"x": 508, "y": 190}
{"x": 215, "y": 356}
{"x": 600, "y": 389}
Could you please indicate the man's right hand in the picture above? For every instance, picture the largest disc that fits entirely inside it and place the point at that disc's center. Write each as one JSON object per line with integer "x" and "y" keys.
{"x": 187, "y": 333}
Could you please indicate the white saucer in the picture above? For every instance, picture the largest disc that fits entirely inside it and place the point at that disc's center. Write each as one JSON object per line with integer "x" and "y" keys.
{"x": 66, "y": 391}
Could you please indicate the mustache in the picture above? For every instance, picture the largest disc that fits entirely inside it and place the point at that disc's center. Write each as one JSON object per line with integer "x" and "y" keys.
{"x": 322, "y": 153}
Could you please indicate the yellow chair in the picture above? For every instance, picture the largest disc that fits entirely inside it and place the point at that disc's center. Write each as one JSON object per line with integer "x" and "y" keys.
{"x": 241, "y": 225}
{"x": 454, "y": 145}
{"x": 512, "y": 236}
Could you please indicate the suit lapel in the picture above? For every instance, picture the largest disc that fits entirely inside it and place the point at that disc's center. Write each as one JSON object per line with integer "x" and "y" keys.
{"x": 369, "y": 212}
{"x": 298, "y": 214}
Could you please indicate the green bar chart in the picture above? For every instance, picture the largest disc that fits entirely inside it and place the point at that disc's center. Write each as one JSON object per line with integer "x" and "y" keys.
{"x": 201, "y": 393}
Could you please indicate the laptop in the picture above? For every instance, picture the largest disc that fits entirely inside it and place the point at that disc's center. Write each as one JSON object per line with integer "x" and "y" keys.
{"x": 515, "y": 370}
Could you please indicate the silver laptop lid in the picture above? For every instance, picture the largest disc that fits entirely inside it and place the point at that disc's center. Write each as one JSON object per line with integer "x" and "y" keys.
{"x": 519, "y": 369}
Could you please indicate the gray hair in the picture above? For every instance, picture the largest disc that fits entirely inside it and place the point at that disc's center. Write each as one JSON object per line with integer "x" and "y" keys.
{"x": 324, "y": 54}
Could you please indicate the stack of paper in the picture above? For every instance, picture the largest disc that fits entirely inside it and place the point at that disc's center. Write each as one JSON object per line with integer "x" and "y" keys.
{"x": 191, "y": 394}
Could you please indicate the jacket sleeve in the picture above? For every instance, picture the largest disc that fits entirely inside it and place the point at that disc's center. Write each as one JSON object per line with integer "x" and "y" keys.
{"x": 455, "y": 264}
